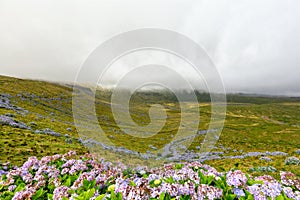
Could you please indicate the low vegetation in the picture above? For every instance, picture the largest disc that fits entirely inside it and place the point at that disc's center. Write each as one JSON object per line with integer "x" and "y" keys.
{"x": 261, "y": 135}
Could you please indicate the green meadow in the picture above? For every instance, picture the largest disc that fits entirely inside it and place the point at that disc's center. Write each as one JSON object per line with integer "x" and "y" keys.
{"x": 257, "y": 124}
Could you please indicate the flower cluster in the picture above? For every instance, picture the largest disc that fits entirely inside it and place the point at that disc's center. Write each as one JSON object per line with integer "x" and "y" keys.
{"x": 292, "y": 161}
{"x": 289, "y": 179}
{"x": 236, "y": 178}
{"x": 69, "y": 176}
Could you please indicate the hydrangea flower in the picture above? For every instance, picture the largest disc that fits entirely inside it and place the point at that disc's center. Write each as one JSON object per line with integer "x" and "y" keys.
{"x": 236, "y": 178}
{"x": 290, "y": 179}
{"x": 175, "y": 180}
{"x": 239, "y": 192}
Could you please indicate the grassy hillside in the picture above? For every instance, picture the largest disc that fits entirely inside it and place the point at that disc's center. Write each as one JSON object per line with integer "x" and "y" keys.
{"x": 39, "y": 105}
{"x": 260, "y": 133}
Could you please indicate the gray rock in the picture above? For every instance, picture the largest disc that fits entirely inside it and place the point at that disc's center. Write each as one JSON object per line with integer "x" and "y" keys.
{"x": 10, "y": 115}
{"x": 276, "y": 153}
{"x": 5, "y": 120}
{"x": 204, "y": 132}
{"x": 33, "y": 124}
{"x": 68, "y": 140}
{"x": 152, "y": 147}
{"x": 264, "y": 158}
{"x": 201, "y": 132}
{"x": 253, "y": 154}
{"x": 48, "y": 131}
{"x": 234, "y": 157}
{"x": 5, "y": 103}
{"x": 111, "y": 137}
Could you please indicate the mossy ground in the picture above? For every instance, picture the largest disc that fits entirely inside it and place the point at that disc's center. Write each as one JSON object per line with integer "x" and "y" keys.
{"x": 262, "y": 124}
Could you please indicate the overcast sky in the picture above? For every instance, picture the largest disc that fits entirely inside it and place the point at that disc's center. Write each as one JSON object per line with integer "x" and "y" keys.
{"x": 255, "y": 44}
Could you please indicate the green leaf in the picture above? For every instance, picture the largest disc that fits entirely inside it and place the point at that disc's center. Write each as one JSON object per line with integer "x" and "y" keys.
{"x": 250, "y": 197}
{"x": 68, "y": 182}
{"x": 92, "y": 183}
{"x": 169, "y": 180}
{"x": 151, "y": 183}
{"x": 79, "y": 198}
{"x": 179, "y": 166}
{"x": 280, "y": 197}
{"x": 230, "y": 197}
{"x": 131, "y": 183}
{"x": 51, "y": 188}
{"x": 20, "y": 187}
{"x": 50, "y": 196}
{"x": 89, "y": 194}
{"x": 162, "y": 196}
{"x": 221, "y": 184}
{"x": 119, "y": 196}
{"x": 73, "y": 178}
{"x": 168, "y": 196}
{"x": 65, "y": 177}
{"x": 100, "y": 197}
{"x": 71, "y": 192}
{"x": 185, "y": 197}
{"x": 209, "y": 180}
{"x": 39, "y": 193}
{"x": 6, "y": 195}
{"x": 145, "y": 175}
{"x": 86, "y": 183}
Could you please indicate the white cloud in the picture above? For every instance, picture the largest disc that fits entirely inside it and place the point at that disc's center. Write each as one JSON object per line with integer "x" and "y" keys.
{"x": 255, "y": 44}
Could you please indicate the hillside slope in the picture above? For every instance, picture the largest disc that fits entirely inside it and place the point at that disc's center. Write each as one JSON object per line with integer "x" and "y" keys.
{"x": 36, "y": 119}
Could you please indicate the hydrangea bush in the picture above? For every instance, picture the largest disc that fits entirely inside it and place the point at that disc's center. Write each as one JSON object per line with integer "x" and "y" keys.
{"x": 292, "y": 161}
{"x": 62, "y": 177}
